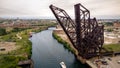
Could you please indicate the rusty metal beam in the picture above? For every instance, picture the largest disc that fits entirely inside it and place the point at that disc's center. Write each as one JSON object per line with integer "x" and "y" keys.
{"x": 66, "y": 22}
{"x": 85, "y": 34}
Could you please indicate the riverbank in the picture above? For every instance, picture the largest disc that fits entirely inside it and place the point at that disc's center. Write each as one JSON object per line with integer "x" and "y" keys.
{"x": 62, "y": 38}
{"x": 20, "y": 51}
{"x": 93, "y": 62}
{"x": 48, "y": 53}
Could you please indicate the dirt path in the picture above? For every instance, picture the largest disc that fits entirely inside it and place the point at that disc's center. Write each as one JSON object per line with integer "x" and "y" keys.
{"x": 8, "y": 46}
{"x": 18, "y": 36}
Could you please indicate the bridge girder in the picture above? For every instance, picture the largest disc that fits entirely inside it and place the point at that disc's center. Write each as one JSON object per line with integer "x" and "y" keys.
{"x": 85, "y": 34}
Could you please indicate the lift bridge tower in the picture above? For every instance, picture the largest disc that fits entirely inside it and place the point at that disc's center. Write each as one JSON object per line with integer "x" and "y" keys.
{"x": 85, "y": 34}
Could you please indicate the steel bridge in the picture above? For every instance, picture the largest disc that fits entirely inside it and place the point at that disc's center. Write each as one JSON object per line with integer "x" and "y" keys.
{"x": 85, "y": 34}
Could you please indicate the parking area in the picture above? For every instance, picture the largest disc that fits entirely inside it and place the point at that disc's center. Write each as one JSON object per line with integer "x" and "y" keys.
{"x": 113, "y": 62}
{"x": 108, "y": 62}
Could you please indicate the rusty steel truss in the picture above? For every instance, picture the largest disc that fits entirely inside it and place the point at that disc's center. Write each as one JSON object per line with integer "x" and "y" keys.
{"x": 85, "y": 34}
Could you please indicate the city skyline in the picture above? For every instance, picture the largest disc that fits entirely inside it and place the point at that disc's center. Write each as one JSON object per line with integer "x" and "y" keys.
{"x": 36, "y": 8}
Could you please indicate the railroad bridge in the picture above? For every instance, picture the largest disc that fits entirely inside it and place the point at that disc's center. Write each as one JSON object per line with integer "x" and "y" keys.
{"x": 85, "y": 34}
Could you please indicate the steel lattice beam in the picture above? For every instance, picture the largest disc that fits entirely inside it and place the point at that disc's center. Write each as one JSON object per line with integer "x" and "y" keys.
{"x": 66, "y": 22}
{"x": 85, "y": 34}
{"x": 89, "y": 33}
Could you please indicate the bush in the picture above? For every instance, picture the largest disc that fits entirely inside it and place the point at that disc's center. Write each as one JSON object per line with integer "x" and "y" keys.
{"x": 18, "y": 29}
{"x": 108, "y": 23}
{"x": 22, "y": 53}
{"x": 2, "y": 31}
{"x": 112, "y": 47}
{"x": 66, "y": 44}
{"x": 9, "y": 62}
{"x": 9, "y": 37}
{"x": 109, "y": 30}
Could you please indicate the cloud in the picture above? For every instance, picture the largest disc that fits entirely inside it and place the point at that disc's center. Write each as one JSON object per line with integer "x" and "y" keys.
{"x": 96, "y": 7}
{"x": 41, "y": 7}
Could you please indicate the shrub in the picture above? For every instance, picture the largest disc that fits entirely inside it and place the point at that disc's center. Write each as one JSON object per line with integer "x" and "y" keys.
{"x": 2, "y": 31}
{"x": 112, "y": 47}
{"x": 66, "y": 44}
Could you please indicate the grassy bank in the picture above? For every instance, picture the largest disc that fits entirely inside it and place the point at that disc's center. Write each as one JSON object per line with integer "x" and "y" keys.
{"x": 112, "y": 47}
{"x": 23, "y": 46}
{"x": 23, "y": 51}
{"x": 66, "y": 44}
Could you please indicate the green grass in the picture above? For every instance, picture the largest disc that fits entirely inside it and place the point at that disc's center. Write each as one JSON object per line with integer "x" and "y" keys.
{"x": 9, "y": 61}
{"x": 112, "y": 47}
{"x": 66, "y": 44}
{"x": 24, "y": 50}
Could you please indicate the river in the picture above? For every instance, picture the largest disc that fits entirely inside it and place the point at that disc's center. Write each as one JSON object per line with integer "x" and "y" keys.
{"x": 48, "y": 53}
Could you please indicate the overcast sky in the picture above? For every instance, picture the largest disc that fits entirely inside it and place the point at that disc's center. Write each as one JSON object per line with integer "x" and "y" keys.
{"x": 40, "y": 8}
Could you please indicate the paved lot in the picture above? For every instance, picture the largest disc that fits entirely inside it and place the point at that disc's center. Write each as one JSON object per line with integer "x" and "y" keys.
{"x": 112, "y": 62}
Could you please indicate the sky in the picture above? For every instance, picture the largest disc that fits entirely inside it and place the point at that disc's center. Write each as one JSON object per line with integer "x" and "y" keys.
{"x": 40, "y": 8}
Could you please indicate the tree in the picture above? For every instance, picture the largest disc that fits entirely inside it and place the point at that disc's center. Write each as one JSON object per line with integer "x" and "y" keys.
{"x": 2, "y": 31}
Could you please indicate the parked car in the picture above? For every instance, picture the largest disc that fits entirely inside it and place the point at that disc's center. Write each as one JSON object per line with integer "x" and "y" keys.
{"x": 109, "y": 59}
{"x": 2, "y": 49}
{"x": 104, "y": 62}
{"x": 118, "y": 62}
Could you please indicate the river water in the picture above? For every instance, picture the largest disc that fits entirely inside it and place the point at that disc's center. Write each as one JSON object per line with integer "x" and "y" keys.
{"x": 48, "y": 53}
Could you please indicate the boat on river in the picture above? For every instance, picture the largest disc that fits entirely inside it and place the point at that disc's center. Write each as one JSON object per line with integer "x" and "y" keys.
{"x": 62, "y": 64}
